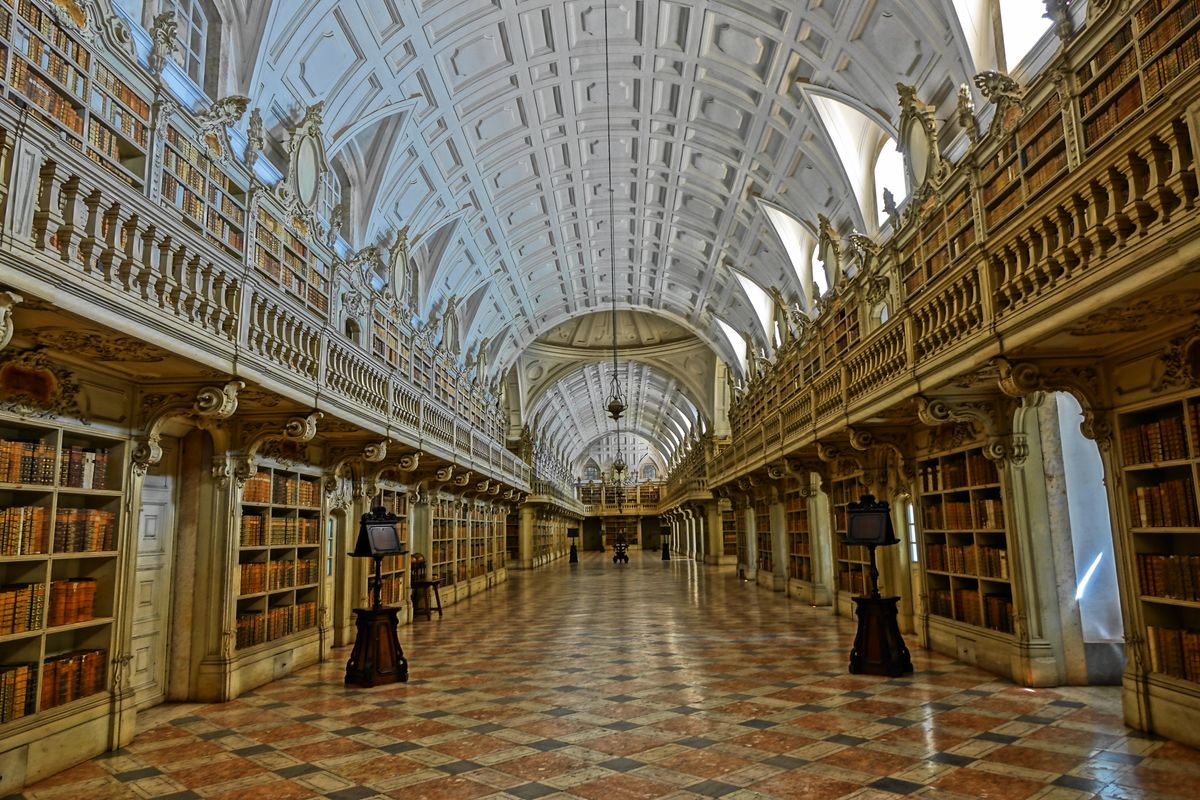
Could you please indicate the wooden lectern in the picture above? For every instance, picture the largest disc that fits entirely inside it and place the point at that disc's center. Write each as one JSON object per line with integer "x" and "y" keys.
{"x": 878, "y": 647}
{"x": 377, "y": 658}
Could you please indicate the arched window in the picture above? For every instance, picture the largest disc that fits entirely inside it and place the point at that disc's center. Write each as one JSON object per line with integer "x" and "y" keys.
{"x": 192, "y": 33}
{"x": 649, "y": 472}
{"x": 352, "y": 331}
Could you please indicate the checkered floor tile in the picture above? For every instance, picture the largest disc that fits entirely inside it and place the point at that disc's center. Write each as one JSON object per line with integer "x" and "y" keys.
{"x": 652, "y": 680}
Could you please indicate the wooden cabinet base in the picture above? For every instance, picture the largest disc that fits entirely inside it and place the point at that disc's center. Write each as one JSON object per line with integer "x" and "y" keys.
{"x": 878, "y": 646}
{"x": 377, "y": 658}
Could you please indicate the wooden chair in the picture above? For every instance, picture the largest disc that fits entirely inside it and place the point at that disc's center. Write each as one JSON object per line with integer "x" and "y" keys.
{"x": 421, "y": 585}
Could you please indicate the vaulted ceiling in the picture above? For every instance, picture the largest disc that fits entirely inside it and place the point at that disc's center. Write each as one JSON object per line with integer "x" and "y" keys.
{"x": 482, "y": 123}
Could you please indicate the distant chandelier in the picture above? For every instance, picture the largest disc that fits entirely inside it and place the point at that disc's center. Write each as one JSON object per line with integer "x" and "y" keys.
{"x": 616, "y": 402}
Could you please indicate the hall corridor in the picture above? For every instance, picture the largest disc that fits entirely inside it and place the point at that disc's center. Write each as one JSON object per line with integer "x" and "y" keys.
{"x": 642, "y": 681}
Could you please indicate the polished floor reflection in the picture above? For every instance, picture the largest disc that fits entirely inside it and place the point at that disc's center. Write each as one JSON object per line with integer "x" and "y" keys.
{"x": 642, "y": 681}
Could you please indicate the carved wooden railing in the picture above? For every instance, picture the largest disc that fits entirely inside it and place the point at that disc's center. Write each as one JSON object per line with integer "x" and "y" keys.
{"x": 1112, "y": 223}
{"x": 100, "y": 249}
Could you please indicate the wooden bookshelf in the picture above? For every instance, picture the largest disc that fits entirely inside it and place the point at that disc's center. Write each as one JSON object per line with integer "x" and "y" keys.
{"x": 61, "y": 498}
{"x": 279, "y": 556}
{"x": 850, "y": 561}
{"x": 479, "y": 527}
{"x": 1159, "y": 43}
{"x": 730, "y": 537}
{"x": 840, "y": 332}
{"x": 444, "y": 516}
{"x": 762, "y": 535}
{"x": 394, "y": 498}
{"x": 389, "y": 342}
{"x": 965, "y": 540}
{"x": 799, "y": 541}
{"x": 1000, "y": 184}
{"x": 1160, "y": 462}
{"x": 623, "y": 529}
{"x": 283, "y": 255}
{"x": 95, "y": 109}
{"x": 202, "y": 192}
{"x": 512, "y": 535}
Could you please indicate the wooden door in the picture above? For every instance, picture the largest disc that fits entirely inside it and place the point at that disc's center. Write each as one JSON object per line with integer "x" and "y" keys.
{"x": 152, "y": 582}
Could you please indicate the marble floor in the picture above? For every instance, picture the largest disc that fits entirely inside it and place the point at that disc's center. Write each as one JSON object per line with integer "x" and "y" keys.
{"x": 650, "y": 680}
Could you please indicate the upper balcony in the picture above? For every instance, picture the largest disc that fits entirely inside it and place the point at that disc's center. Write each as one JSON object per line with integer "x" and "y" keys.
{"x": 123, "y": 208}
{"x": 1074, "y": 210}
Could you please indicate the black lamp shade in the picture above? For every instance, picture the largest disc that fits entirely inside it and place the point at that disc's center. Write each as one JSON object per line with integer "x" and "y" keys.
{"x": 377, "y": 535}
{"x": 869, "y": 522}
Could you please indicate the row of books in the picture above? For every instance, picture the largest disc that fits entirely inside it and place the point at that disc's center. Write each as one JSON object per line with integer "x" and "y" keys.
{"x": 949, "y": 473}
{"x": 27, "y": 462}
{"x": 1174, "y": 652}
{"x": 257, "y": 627}
{"x": 18, "y": 691}
{"x": 1126, "y": 103}
{"x": 1153, "y": 40}
{"x": 71, "y": 676}
{"x": 72, "y": 600}
{"x": 283, "y": 574}
{"x": 853, "y": 581}
{"x": 800, "y": 569}
{"x": 1172, "y": 576}
{"x": 1120, "y": 38}
{"x": 392, "y": 590}
{"x": 120, "y": 118}
{"x": 980, "y": 513}
{"x": 1160, "y": 440}
{"x": 176, "y": 194}
{"x": 117, "y": 88}
{"x": 24, "y": 530}
{"x": 1027, "y": 133}
{"x": 46, "y": 96}
{"x": 1050, "y": 168}
{"x": 21, "y": 607}
{"x": 84, "y": 530}
{"x": 83, "y": 468}
{"x": 259, "y": 530}
{"x": 1120, "y": 71}
{"x": 45, "y": 24}
{"x": 988, "y": 562}
{"x": 1171, "y": 64}
{"x": 800, "y": 545}
{"x": 964, "y": 605}
{"x": 1170, "y": 504}
{"x": 49, "y": 61}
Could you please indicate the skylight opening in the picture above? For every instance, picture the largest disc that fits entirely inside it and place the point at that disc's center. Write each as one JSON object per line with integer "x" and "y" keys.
{"x": 820, "y": 279}
{"x": 1023, "y": 23}
{"x": 759, "y": 299}
{"x": 889, "y": 174}
{"x": 735, "y": 343}
{"x": 797, "y": 241}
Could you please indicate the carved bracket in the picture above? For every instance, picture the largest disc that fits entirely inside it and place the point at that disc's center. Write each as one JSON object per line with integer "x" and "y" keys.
{"x": 1179, "y": 365}
{"x": 993, "y": 415}
{"x": 1084, "y": 382}
{"x": 7, "y": 302}
{"x": 296, "y": 429}
{"x": 211, "y": 403}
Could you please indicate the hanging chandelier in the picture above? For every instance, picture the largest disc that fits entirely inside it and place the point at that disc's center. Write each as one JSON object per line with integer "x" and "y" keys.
{"x": 616, "y": 401}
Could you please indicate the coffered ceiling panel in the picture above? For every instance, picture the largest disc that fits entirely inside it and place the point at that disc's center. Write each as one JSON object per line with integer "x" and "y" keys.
{"x": 505, "y": 123}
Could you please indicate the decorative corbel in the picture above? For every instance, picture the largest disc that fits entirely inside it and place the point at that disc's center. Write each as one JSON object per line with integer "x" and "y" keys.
{"x": 993, "y": 416}
{"x": 211, "y": 403}
{"x": 296, "y": 429}
{"x": 965, "y": 113}
{"x": 256, "y": 138}
{"x": 163, "y": 35}
{"x": 443, "y": 474}
{"x": 1082, "y": 381}
{"x": 212, "y": 125}
{"x": 8, "y": 300}
{"x": 483, "y": 486}
{"x": 463, "y": 479}
{"x": 1178, "y": 367}
{"x": 1007, "y": 96}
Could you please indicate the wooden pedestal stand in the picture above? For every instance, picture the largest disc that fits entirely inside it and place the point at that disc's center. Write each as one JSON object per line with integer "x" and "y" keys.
{"x": 878, "y": 646}
{"x": 377, "y": 658}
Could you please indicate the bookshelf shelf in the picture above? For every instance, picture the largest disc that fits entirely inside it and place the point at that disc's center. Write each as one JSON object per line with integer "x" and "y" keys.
{"x": 1160, "y": 460}
{"x": 850, "y": 561}
{"x": 965, "y": 540}
{"x": 729, "y": 531}
{"x": 799, "y": 542}
{"x": 279, "y": 556}
{"x": 58, "y": 563}
{"x": 394, "y": 498}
